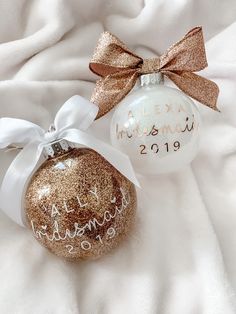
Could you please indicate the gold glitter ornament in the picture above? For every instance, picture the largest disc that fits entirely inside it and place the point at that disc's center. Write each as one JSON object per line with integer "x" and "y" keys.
{"x": 74, "y": 191}
{"x": 77, "y": 204}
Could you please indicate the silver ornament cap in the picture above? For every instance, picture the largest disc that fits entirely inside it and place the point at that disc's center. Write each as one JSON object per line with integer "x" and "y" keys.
{"x": 151, "y": 79}
{"x": 56, "y": 148}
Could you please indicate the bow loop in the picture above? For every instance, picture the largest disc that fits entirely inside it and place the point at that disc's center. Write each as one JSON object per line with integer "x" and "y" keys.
{"x": 119, "y": 68}
{"x": 188, "y": 54}
{"x": 18, "y": 131}
{"x": 77, "y": 112}
{"x": 111, "y": 55}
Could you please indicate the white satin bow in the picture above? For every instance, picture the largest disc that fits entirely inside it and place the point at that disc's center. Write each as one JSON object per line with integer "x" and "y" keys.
{"x": 74, "y": 117}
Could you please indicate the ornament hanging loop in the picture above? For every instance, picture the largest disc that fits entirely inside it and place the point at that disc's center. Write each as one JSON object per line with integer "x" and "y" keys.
{"x": 51, "y": 128}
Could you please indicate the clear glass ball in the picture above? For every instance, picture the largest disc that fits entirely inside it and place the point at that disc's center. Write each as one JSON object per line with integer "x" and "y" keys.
{"x": 158, "y": 128}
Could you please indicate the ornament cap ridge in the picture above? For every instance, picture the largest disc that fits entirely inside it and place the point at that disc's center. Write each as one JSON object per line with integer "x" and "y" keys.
{"x": 151, "y": 79}
{"x": 56, "y": 148}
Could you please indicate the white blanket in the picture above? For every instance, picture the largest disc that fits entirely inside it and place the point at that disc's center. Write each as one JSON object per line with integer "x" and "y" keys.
{"x": 181, "y": 259}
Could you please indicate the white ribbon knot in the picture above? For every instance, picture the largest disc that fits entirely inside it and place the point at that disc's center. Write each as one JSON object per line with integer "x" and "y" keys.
{"x": 74, "y": 117}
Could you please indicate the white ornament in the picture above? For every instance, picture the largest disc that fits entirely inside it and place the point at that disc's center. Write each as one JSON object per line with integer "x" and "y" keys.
{"x": 157, "y": 127}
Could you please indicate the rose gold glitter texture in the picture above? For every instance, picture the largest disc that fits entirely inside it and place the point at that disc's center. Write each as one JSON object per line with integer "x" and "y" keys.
{"x": 79, "y": 206}
{"x": 119, "y": 69}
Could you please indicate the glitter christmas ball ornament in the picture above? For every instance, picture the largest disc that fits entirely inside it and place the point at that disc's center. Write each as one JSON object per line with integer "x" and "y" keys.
{"x": 77, "y": 204}
{"x": 157, "y": 126}
{"x": 75, "y": 192}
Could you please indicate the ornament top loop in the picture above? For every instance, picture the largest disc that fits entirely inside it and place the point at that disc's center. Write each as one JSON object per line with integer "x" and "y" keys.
{"x": 51, "y": 128}
{"x": 74, "y": 117}
{"x": 119, "y": 68}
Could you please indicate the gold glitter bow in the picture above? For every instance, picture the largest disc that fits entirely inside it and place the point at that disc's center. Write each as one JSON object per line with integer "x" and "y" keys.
{"x": 119, "y": 69}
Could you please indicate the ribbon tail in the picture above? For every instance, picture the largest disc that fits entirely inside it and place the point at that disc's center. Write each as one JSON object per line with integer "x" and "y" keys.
{"x": 117, "y": 159}
{"x": 13, "y": 185}
{"x": 197, "y": 87}
{"x": 111, "y": 89}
